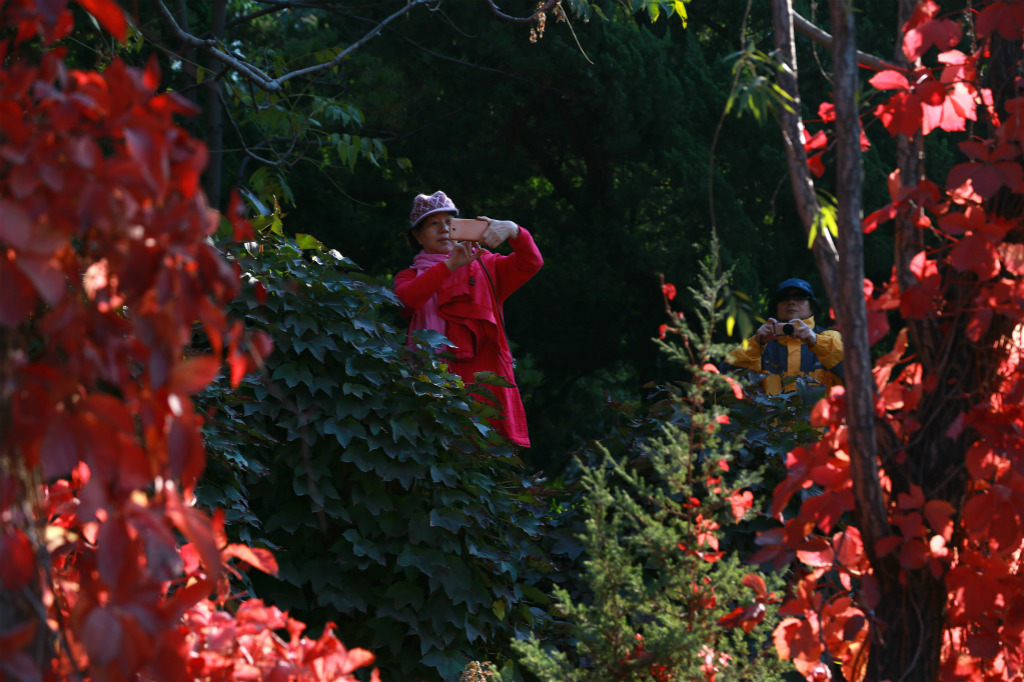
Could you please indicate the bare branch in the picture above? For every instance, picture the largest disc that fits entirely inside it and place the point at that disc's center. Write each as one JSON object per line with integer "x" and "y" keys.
{"x": 256, "y": 75}
{"x": 809, "y": 30}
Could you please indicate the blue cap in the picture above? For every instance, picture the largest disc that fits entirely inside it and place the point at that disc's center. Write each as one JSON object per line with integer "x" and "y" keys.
{"x": 794, "y": 283}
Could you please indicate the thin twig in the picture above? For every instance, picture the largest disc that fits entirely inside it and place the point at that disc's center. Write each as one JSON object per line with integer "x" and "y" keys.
{"x": 521, "y": 20}
{"x": 255, "y": 74}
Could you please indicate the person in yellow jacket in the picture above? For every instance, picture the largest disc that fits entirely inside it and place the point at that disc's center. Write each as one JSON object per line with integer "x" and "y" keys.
{"x": 790, "y": 344}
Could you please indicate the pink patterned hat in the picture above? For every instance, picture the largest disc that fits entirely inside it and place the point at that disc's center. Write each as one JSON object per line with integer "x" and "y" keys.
{"x": 424, "y": 205}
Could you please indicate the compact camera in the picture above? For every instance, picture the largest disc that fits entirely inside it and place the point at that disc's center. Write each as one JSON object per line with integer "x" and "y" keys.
{"x": 782, "y": 329}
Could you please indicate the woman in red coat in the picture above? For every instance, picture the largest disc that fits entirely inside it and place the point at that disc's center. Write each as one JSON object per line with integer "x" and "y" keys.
{"x": 458, "y": 289}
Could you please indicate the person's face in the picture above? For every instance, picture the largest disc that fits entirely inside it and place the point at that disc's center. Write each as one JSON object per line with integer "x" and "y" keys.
{"x": 793, "y": 305}
{"x": 434, "y": 233}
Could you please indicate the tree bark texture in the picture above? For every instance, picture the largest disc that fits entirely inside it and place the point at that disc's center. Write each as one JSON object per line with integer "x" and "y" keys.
{"x": 214, "y": 110}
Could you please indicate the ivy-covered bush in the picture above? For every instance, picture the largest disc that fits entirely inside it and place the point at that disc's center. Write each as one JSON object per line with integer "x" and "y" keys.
{"x": 393, "y": 508}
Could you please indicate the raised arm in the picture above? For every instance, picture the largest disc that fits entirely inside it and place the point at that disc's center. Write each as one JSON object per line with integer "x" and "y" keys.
{"x": 518, "y": 267}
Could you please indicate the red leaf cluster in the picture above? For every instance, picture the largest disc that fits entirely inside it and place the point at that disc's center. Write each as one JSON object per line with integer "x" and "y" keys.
{"x": 973, "y": 543}
{"x": 106, "y": 270}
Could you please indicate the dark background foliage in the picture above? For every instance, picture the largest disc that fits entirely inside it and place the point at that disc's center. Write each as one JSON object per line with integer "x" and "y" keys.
{"x": 597, "y": 136}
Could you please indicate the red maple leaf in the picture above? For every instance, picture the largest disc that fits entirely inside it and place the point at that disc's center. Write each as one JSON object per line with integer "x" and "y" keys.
{"x": 942, "y": 33}
{"x": 901, "y": 114}
{"x": 1004, "y": 17}
{"x": 992, "y": 169}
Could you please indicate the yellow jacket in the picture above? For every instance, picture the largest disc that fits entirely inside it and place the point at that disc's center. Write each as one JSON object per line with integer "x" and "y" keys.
{"x": 786, "y": 356}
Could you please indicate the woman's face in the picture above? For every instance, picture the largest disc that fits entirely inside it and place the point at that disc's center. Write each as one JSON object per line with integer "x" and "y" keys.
{"x": 434, "y": 232}
{"x": 793, "y": 305}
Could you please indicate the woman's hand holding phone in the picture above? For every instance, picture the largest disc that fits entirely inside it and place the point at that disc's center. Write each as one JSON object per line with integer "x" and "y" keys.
{"x": 498, "y": 231}
{"x": 462, "y": 254}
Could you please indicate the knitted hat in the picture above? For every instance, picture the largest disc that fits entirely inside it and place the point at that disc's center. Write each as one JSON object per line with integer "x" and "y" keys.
{"x": 424, "y": 205}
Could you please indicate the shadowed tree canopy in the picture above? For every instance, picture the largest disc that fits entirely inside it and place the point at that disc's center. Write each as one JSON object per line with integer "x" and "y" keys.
{"x": 596, "y": 135}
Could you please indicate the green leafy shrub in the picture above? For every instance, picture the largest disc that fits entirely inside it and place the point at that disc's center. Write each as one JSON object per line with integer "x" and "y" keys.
{"x": 393, "y": 508}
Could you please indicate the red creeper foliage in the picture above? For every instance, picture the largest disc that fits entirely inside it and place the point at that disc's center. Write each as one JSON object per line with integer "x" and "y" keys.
{"x": 105, "y": 269}
{"x": 961, "y": 529}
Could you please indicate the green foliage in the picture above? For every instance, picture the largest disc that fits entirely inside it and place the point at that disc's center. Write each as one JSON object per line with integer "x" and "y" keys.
{"x": 754, "y": 87}
{"x": 393, "y": 508}
{"x": 659, "y": 577}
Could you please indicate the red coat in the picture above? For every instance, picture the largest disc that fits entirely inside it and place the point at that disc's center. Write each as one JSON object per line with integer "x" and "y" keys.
{"x": 468, "y": 307}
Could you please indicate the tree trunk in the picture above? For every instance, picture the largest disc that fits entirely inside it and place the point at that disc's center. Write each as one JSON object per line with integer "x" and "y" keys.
{"x": 825, "y": 255}
{"x": 214, "y": 111}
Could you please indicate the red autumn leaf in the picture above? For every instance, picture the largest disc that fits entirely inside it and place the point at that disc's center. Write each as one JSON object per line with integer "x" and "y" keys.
{"x": 887, "y": 545}
{"x": 741, "y": 503}
{"x": 940, "y": 517}
{"x": 117, "y": 564}
{"x": 745, "y": 617}
{"x": 194, "y": 374}
{"x": 901, "y": 114}
{"x": 882, "y": 215}
{"x": 911, "y": 500}
{"x": 61, "y": 449}
{"x": 984, "y": 645}
{"x": 923, "y": 12}
{"x": 185, "y": 452}
{"x": 17, "y": 560}
{"x": 931, "y": 92}
{"x": 1012, "y": 256}
{"x": 985, "y": 179}
{"x": 757, "y": 584}
{"x": 816, "y": 553}
{"x": 354, "y": 659}
{"x": 257, "y": 557}
{"x": 976, "y": 254}
{"x": 102, "y": 635}
{"x": 913, "y": 554}
{"x": 952, "y": 113}
{"x": 942, "y": 33}
{"x": 1004, "y": 17}
{"x": 911, "y": 525}
{"x": 978, "y": 324}
{"x": 45, "y": 274}
{"x": 19, "y": 296}
{"x": 14, "y": 639}
{"x": 773, "y": 548}
{"x": 109, "y": 15}
{"x": 878, "y": 326}
{"x": 15, "y": 225}
{"x": 890, "y": 80}
{"x": 849, "y": 547}
{"x": 983, "y": 463}
{"x": 737, "y": 390}
{"x": 196, "y": 529}
{"x": 816, "y": 165}
{"x": 818, "y": 141}
{"x": 827, "y": 509}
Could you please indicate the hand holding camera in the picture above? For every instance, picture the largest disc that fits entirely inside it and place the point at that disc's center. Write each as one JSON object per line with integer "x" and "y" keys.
{"x": 772, "y": 329}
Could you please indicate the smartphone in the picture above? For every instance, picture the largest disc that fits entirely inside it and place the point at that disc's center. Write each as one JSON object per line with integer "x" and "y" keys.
{"x": 467, "y": 230}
